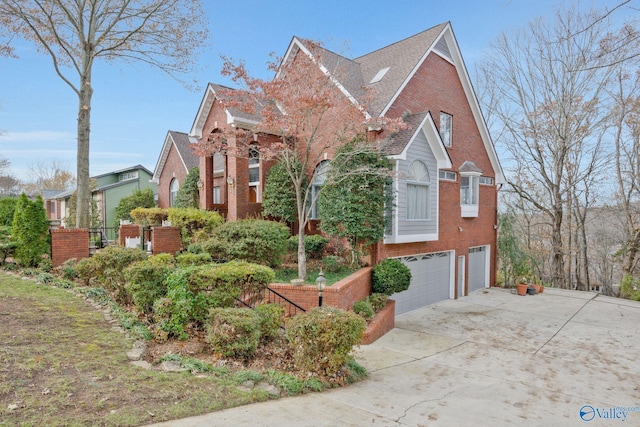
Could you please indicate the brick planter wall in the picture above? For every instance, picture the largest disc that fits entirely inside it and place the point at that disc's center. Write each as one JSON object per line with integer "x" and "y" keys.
{"x": 68, "y": 243}
{"x": 384, "y": 321}
{"x": 342, "y": 294}
{"x": 165, "y": 240}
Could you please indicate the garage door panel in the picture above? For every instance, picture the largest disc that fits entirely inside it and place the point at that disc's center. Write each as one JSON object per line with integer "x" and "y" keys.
{"x": 430, "y": 281}
{"x": 477, "y": 268}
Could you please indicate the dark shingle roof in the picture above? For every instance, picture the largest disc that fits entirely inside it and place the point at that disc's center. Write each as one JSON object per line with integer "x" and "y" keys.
{"x": 182, "y": 143}
{"x": 396, "y": 142}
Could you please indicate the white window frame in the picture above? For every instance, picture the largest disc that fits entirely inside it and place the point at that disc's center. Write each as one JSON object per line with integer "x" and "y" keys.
{"x": 446, "y": 128}
{"x": 469, "y": 202}
{"x": 319, "y": 178}
{"x": 486, "y": 180}
{"x": 418, "y": 182}
{"x": 447, "y": 176}
{"x": 254, "y": 163}
{"x": 218, "y": 164}
{"x": 173, "y": 192}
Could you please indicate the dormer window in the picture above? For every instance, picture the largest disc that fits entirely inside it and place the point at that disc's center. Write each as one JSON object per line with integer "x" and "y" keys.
{"x": 379, "y": 75}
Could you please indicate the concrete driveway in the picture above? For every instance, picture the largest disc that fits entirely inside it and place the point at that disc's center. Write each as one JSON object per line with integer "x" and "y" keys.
{"x": 560, "y": 358}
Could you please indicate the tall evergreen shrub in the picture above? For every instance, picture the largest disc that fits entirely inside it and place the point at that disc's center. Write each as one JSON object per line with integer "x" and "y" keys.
{"x": 30, "y": 231}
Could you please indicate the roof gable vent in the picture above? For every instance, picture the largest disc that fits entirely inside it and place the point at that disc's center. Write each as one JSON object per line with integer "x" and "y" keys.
{"x": 379, "y": 75}
{"x": 443, "y": 48}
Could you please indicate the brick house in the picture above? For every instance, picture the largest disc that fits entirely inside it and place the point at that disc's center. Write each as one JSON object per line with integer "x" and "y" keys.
{"x": 444, "y": 222}
{"x": 174, "y": 163}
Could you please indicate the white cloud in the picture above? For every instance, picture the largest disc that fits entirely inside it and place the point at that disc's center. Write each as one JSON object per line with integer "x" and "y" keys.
{"x": 37, "y": 136}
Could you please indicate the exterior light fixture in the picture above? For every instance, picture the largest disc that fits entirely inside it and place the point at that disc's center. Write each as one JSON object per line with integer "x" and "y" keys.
{"x": 321, "y": 282}
{"x": 230, "y": 181}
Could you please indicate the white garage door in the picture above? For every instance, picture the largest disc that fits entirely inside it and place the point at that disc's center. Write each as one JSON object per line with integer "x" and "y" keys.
{"x": 430, "y": 281}
{"x": 478, "y": 268}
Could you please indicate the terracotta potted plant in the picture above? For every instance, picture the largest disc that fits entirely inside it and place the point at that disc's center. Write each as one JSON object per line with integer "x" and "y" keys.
{"x": 521, "y": 286}
{"x": 536, "y": 285}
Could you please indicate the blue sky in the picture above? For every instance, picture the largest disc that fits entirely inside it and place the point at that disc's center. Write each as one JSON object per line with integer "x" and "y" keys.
{"x": 134, "y": 106}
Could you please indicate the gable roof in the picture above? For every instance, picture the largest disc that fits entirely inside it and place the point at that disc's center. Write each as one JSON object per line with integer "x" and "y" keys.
{"x": 234, "y": 115}
{"x": 181, "y": 141}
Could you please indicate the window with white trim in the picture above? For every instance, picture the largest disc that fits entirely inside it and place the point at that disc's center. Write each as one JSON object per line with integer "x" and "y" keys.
{"x": 446, "y": 125}
{"x": 418, "y": 191}
{"x": 254, "y": 176}
{"x": 174, "y": 186}
{"x": 486, "y": 180}
{"x": 218, "y": 164}
{"x": 319, "y": 178}
{"x": 469, "y": 194}
{"x": 448, "y": 176}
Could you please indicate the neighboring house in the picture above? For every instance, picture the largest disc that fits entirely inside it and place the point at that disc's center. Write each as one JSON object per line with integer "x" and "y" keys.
{"x": 54, "y": 205}
{"x": 444, "y": 221}
{"x": 113, "y": 186}
{"x": 175, "y": 161}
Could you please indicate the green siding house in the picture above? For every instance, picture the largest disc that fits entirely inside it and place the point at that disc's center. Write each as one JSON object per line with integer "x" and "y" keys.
{"x": 113, "y": 186}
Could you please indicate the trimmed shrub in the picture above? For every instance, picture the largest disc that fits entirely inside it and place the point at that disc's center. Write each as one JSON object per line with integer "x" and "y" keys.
{"x": 332, "y": 263}
{"x": 86, "y": 270}
{"x": 30, "y": 230}
{"x": 193, "y": 291}
{"x": 146, "y": 280}
{"x": 7, "y": 209}
{"x": 272, "y": 318}
{"x": 313, "y": 245}
{"x": 390, "y": 276}
{"x": 187, "y": 259}
{"x": 378, "y": 301}
{"x": 234, "y": 332}
{"x": 194, "y": 222}
{"x": 149, "y": 216}
{"x": 322, "y": 339}
{"x": 252, "y": 240}
{"x": 68, "y": 269}
{"x": 111, "y": 263}
{"x": 363, "y": 308}
{"x": 7, "y": 246}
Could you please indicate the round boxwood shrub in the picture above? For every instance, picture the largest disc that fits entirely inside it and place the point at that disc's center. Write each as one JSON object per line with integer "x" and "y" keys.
{"x": 234, "y": 332}
{"x": 378, "y": 301}
{"x": 272, "y": 316}
{"x": 391, "y": 276}
{"x": 363, "y": 308}
{"x": 322, "y": 339}
{"x": 146, "y": 280}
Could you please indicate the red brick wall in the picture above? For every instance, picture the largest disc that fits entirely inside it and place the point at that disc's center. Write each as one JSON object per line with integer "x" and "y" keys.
{"x": 127, "y": 230}
{"x": 341, "y": 294}
{"x": 68, "y": 243}
{"x": 436, "y": 87}
{"x": 165, "y": 240}
{"x": 173, "y": 168}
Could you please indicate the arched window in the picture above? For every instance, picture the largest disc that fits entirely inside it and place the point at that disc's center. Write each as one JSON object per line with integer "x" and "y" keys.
{"x": 173, "y": 191}
{"x": 418, "y": 191}
{"x": 319, "y": 177}
{"x": 254, "y": 175}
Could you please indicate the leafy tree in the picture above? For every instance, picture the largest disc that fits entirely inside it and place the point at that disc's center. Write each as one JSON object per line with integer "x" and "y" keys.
{"x": 279, "y": 196}
{"x": 75, "y": 34}
{"x": 305, "y": 113}
{"x": 138, "y": 199}
{"x": 30, "y": 230}
{"x": 355, "y": 195}
{"x": 514, "y": 261}
{"x": 188, "y": 194}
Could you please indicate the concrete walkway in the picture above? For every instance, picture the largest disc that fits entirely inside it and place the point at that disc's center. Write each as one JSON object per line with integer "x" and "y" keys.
{"x": 560, "y": 358}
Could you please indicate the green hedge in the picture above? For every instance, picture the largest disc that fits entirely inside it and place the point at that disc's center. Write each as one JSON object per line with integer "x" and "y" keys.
{"x": 146, "y": 280}
{"x": 252, "y": 240}
{"x": 30, "y": 231}
{"x": 313, "y": 245}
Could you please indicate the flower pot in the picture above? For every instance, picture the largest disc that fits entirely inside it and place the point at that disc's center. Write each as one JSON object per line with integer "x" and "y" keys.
{"x": 521, "y": 288}
{"x": 541, "y": 288}
{"x": 536, "y": 287}
{"x": 297, "y": 282}
{"x": 531, "y": 290}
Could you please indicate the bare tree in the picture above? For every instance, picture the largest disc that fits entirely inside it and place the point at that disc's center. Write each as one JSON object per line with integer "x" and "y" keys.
{"x": 549, "y": 84}
{"x": 49, "y": 176}
{"x": 74, "y": 34}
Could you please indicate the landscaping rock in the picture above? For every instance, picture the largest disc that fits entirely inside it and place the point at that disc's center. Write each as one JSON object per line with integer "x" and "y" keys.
{"x": 172, "y": 366}
{"x": 142, "y": 364}
{"x": 269, "y": 388}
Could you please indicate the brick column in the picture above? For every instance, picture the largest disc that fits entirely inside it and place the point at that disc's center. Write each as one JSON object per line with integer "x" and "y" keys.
{"x": 127, "y": 230}
{"x": 68, "y": 243}
{"x": 165, "y": 240}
